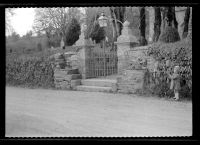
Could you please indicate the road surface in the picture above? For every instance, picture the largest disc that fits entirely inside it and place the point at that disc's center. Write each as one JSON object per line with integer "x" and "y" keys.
{"x": 56, "y": 113}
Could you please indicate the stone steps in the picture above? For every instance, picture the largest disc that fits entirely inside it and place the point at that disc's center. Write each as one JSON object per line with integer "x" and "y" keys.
{"x": 97, "y": 85}
{"x": 93, "y": 88}
{"x": 98, "y": 82}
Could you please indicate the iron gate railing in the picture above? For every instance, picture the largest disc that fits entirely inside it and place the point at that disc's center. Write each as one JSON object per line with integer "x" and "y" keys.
{"x": 102, "y": 61}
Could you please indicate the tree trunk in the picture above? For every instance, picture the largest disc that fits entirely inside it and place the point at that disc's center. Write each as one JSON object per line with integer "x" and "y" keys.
{"x": 174, "y": 21}
{"x": 157, "y": 24}
{"x": 186, "y": 22}
{"x": 190, "y": 25}
{"x": 121, "y": 18}
{"x": 113, "y": 24}
{"x": 142, "y": 27}
{"x": 169, "y": 26}
{"x": 168, "y": 17}
{"x": 117, "y": 13}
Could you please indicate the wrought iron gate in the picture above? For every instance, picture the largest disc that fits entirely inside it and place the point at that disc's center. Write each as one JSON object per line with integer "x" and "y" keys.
{"x": 102, "y": 61}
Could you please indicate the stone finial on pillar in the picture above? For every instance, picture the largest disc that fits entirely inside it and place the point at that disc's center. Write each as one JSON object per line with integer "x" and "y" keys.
{"x": 127, "y": 36}
{"x": 81, "y": 40}
{"x": 124, "y": 43}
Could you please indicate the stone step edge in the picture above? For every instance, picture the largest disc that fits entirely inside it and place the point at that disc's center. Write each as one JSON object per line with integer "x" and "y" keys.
{"x": 98, "y": 83}
{"x": 93, "y": 88}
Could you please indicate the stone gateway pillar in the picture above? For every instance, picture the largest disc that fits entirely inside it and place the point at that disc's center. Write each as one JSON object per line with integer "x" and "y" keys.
{"x": 124, "y": 43}
{"x": 83, "y": 46}
{"x": 151, "y": 23}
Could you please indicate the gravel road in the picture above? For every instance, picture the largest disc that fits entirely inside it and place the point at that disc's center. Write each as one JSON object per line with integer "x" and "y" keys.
{"x": 56, "y": 113}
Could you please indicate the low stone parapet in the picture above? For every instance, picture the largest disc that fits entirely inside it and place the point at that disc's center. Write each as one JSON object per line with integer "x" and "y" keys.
{"x": 66, "y": 78}
{"x": 130, "y": 82}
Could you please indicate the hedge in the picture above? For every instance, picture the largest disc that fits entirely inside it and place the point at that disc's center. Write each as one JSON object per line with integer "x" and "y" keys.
{"x": 29, "y": 72}
{"x": 179, "y": 53}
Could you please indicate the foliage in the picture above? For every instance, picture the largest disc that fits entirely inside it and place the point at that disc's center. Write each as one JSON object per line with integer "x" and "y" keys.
{"x": 23, "y": 45}
{"x": 94, "y": 31}
{"x": 39, "y": 47}
{"x": 97, "y": 33}
{"x": 14, "y": 37}
{"x": 170, "y": 34}
{"x": 62, "y": 64}
{"x": 142, "y": 41}
{"x": 54, "y": 22}
{"x": 29, "y": 72}
{"x": 179, "y": 53}
{"x": 73, "y": 32}
{"x": 9, "y": 12}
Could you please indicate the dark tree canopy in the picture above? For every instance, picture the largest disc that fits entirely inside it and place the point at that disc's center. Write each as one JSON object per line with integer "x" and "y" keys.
{"x": 142, "y": 27}
{"x": 169, "y": 31}
{"x": 72, "y": 32}
{"x": 157, "y": 24}
{"x": 117, "y": 13}
{"x": 94, "y": 31}
{"x": 170, "y": 34}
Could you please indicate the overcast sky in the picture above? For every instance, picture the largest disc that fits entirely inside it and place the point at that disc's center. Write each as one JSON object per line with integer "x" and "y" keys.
{"x": 22, "y": 21}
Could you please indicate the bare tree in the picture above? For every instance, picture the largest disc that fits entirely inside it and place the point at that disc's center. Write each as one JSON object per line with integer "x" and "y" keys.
{"x": 9, "y": 13}
{"x": 117, "y": 13}
{"x": 55, "y": 21}
{"x": 157, "y": 24}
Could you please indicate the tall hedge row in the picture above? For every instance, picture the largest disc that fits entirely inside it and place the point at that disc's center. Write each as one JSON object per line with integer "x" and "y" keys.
{"x": 29, "y": 72}
{"x": 179, "y": 53}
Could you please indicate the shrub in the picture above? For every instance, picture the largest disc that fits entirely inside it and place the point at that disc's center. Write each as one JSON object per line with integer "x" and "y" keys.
{"x": 62, "y": 64}
{"x": 94, "y": 31}
{"x": 73, "y": 32}
{"x": 142, "y": 41}
{"x": 179, "y": 53}
{"x": 39, "y": 47}
{"x": 170, "y": 34}
{"x": 29, "y": 72}
{"x": 97, "y": 33}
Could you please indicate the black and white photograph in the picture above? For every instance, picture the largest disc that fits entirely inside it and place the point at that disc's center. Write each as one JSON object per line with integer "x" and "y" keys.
{"x": 115, "y": 71}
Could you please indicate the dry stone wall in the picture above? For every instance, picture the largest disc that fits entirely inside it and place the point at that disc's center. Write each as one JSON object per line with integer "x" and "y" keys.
{"x": 66, "y": 73}
{"x": 136, "y": 62}
{"x": 131, "y": 81}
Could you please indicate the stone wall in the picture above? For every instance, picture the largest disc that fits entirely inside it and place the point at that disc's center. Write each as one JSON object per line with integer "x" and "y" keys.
{"x": 135, "y": 63}
{"x": 63, "y": 79}
{"x": 68, "y": 77}
{"x": 130, "y": 82}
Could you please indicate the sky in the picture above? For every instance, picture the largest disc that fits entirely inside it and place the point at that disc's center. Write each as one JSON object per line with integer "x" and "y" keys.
{"x": 22, "y": 21}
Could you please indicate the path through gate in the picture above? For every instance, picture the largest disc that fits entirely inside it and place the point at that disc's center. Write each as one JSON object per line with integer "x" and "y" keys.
{"x": 102, "y": 61}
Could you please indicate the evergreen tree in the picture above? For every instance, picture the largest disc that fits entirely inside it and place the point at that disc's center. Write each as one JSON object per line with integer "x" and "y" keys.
{"x": 72, "y": 32}
{"x": 94, "y": 31}
{"x": 142, "y": 27}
